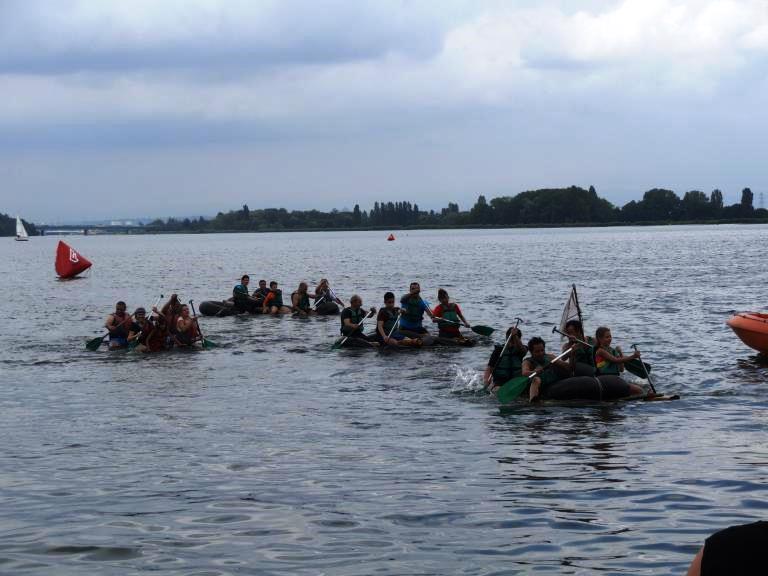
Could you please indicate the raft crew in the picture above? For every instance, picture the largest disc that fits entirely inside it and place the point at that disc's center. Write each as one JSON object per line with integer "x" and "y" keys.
{"x": 300, "y": 301}
{"x": 386, "y": 325}
{"x": 449, "y": 317}
{"x": 506, "y": 362}
{"x": 186, "y": 328}
{"x": 583, "y": 356}
{"x": 273, "y": 303}
{"x": 352, "y": 320}
{"x": 118, "y": 326}
{"x": 413, "y": 311}
{"x": 538, "y": 363}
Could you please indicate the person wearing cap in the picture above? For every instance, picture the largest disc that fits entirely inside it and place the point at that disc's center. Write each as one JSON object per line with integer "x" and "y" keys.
{"x": 140, "y": 329}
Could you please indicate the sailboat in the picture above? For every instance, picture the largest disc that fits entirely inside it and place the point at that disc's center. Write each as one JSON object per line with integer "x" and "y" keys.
{"x": 21, "y": 232}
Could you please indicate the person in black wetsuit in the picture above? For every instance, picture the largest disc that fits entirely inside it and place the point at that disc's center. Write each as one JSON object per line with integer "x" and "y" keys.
{"x": 736, "y": 551}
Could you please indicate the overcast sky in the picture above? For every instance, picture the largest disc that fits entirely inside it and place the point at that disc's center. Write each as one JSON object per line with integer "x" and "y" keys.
{"x": 140, "y": 107}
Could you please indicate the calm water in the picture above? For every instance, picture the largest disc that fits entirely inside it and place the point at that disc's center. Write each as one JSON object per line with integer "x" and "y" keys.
{"x": 274, "y": 455}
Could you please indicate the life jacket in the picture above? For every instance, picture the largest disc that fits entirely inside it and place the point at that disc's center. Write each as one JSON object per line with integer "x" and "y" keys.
{"x": 187, "y": 337}
{"x": 508, "y": 366}
{"x": 239, "y": 292}
{"x": 389, "y": 323}
{"x": 277, "y": 298}
{"x": 547, "y": 376}
{"x": 157, "y": 340}
{"x": 413, "y": 310}
{"x": 260, "y": 294}
{"x": 605, "y": 366}
{"x": 303, "y": 301}
{"x": 355, "y": 316}
{"x": 144, "y": 331}
{"x": 449, "y": 313}
{"x": 585, "y": 354}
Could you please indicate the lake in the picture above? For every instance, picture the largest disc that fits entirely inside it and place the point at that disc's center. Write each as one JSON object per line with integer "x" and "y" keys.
{"x": 272, "y": 454}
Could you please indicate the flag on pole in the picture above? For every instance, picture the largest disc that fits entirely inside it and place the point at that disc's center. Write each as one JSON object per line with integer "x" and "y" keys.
{"x": 571, "y": 310}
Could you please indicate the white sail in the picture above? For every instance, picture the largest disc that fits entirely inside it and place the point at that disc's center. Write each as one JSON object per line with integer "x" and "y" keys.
{"x": 21, "y": 232}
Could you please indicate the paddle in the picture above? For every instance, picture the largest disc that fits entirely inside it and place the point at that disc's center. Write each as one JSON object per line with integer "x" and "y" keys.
{"x": 207, "y": 344}
{"x": 95, "y": 343}
{"x": 318, "y": 302}
{"x": 340, "y": 341}
{"x": 635, "y": 366}
{"x": 477, "y": 329}
{"x": 394, "y": 326}
{"x": 504, "y": 348}
{"x": 646, "y": 371}
{"x": 514, "y": 387}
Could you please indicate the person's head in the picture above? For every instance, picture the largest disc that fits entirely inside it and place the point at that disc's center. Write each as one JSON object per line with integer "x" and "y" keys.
{"x": 245, "y": 279}
{"x": 389, "y": 300}
{"x": 355, "y": 301}
{"x": 603, "y": 336}
{"x": 184, "y": 311}
{"x": 415, "y": 288}
{"x": 302, "y": 287}
{"x": 323, "y": 283}
{"x": 442, "y": 296}
{"x": 273, "y": 285}
{"x": 574, "y": 328}
{"x": 140, "y": 314}
{"x": 537, "y": 347}
{"x": 120, "y": 307}
{"x": 514, "y": 329}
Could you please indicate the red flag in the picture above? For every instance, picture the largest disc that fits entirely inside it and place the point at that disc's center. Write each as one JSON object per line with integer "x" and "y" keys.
{"x": 69, "y": 263}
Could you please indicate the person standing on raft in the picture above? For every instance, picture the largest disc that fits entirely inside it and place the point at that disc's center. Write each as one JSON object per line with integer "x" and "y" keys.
{"x": 537, "y": 364}
{"x": 352, "y": 318}
{"x": 449, "y": 311}
{"x": 502, "y": 367}
{"x": 118, "y": 326}
{"x": 414, "y": 308}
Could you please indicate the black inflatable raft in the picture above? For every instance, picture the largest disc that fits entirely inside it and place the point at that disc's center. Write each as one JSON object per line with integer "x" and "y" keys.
{"x": 600, "y": 388}
{"x": 217, "y": 308}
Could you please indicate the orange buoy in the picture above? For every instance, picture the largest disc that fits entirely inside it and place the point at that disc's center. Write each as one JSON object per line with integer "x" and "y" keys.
{"x": 390, "y": 237}
{"x": 752, "y": 329}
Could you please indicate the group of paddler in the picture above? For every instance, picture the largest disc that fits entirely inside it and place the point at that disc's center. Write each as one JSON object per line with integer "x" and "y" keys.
{"x": 513, "y": 369}
{"x": 172, "y": 326}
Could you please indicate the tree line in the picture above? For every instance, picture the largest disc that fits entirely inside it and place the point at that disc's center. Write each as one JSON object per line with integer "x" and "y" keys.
{"x": 549, "y": 206}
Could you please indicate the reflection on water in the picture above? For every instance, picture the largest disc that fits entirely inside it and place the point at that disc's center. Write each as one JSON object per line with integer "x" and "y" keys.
{"x": 274, "y": 454}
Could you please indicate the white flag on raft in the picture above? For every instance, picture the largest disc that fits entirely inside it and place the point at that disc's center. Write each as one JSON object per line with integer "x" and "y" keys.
{"x": 571, "y": 310}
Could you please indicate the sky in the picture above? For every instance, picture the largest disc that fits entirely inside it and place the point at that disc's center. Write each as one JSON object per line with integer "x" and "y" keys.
{"x": 146, "y": 108}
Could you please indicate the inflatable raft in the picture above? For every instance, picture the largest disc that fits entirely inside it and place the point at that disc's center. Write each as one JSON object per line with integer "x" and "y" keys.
{"x": 752, "y": 329}
{"x": 597, "y": 388}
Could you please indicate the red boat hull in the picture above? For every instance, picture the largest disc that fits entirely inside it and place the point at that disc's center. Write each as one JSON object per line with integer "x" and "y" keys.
{"x": 752, "y": 329}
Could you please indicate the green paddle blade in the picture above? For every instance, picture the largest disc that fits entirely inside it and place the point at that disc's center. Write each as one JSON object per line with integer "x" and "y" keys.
{"x": 94, "y": 343}
{"x": 338, "y": 343}
{"x": 636, "y": 368}
{"x": 512, "y": 389}
{"x": 482, "y": 330}
{"x": 208, "y": 344}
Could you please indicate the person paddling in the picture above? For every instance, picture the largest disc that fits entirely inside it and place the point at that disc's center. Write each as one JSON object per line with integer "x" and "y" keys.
{"x": 386, "y": 325}
{"x": 159, "y": 338}
{"x": 610, "y": 360}
{"x": 171, "y": 310}
{"x": 186, "y": 329}
{"x": 352, "y": 319}
{"x": 323, "y": 294}
{"x": 300, "y": 301}
{"x": 118, "y": 326}
{"x": 506, "y": 362}
{"x": 583, "y": 347}
{"x": 536, "y": 364}
{"x": 140, "y": 329}
{"x": 414, "y": 308}
{"x": 273, "y": 303}
{"x": 451, "y": 312}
